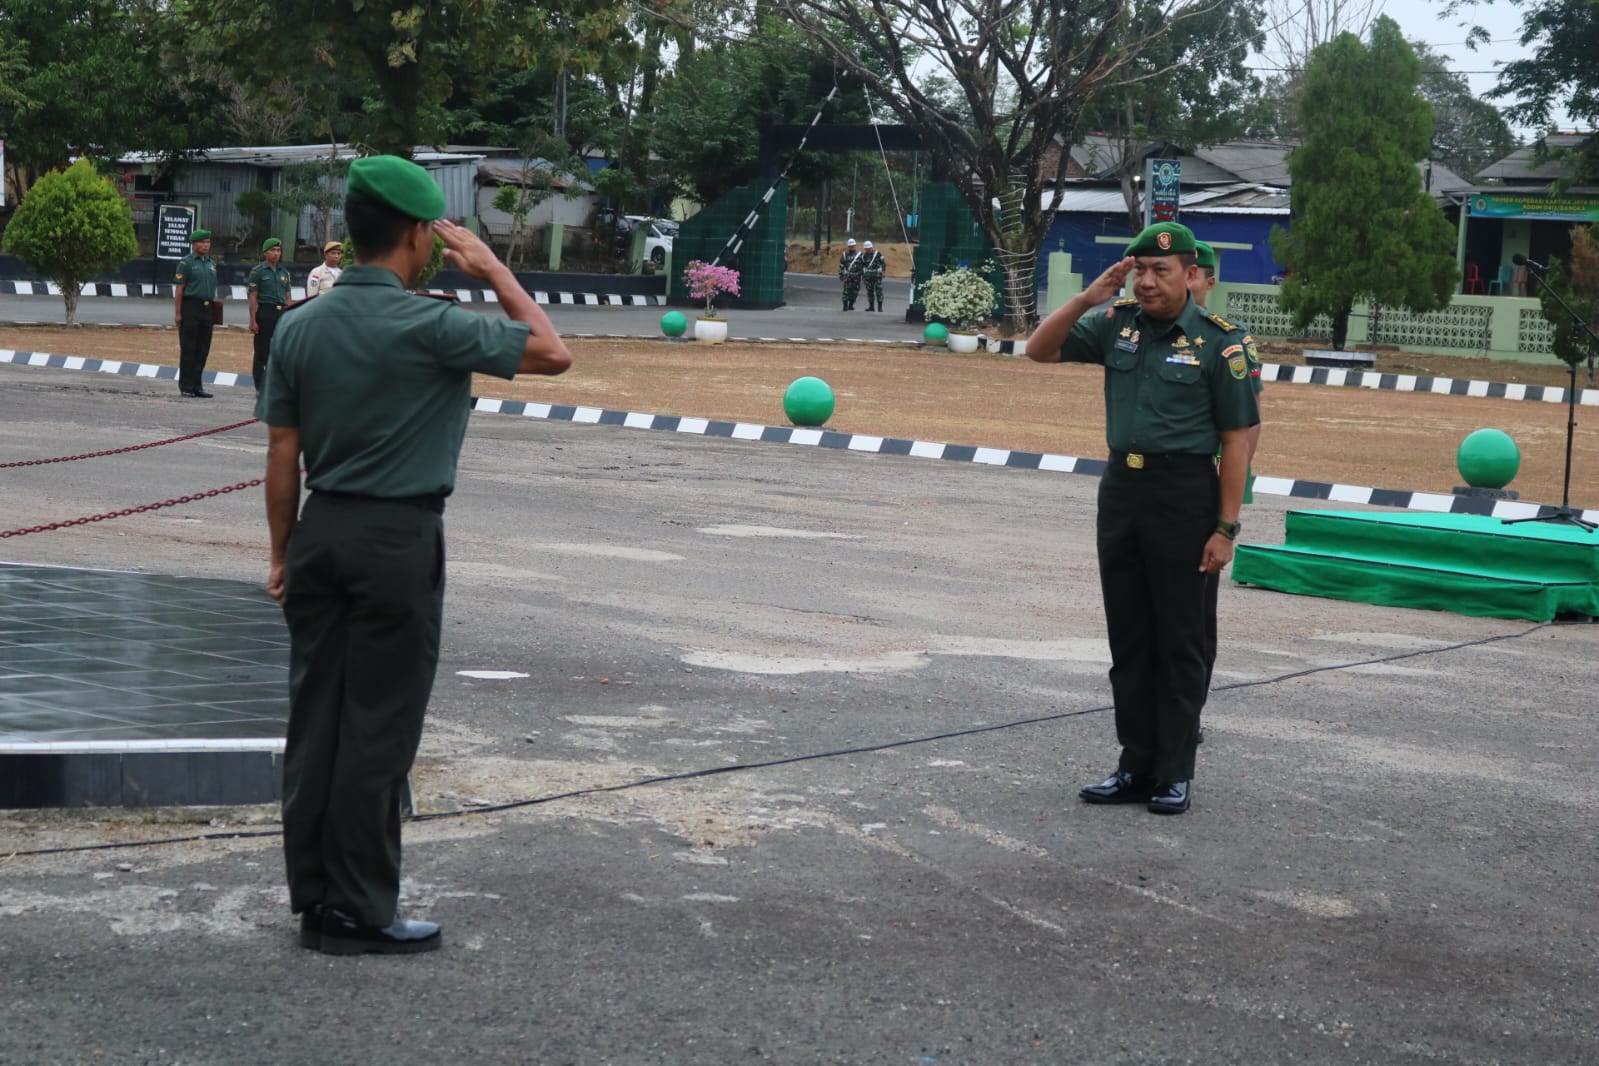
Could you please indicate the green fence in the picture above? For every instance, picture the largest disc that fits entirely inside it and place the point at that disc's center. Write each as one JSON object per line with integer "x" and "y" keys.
{"x": 1497, "y": 327}
{"x": 759, "y": 260}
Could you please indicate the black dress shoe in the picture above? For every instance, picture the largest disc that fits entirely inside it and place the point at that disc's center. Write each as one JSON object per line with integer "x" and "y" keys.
{"x": 1119, "y": 787}
{"x": 200, "y": 394}
{"x": 342, "y": 935}
{"x": 311, "y": 927}
{"x": 1169, "y": 797}
{"x": 186, "y": 392}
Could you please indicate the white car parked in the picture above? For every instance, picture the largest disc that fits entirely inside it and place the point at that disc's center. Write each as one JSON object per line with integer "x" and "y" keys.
{"x": 658, "y": 234}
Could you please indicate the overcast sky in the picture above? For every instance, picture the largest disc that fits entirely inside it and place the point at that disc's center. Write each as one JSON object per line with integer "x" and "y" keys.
{"x": 1447, "y": 36}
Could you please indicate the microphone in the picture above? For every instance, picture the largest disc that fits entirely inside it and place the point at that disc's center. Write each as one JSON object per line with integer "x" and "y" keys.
{"x": 1521, "y": 260}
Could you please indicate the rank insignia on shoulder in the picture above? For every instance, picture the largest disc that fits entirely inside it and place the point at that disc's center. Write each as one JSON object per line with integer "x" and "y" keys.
{"x": 1222, "y": 322}
{"x": 1126, "y": 301}
{"x": 447, "y": 297}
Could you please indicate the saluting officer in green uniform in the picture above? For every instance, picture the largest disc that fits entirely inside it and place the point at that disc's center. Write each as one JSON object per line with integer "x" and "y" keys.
{"x": 370, "y": 386}
{"x": 194, "y": 292}
{"x": 268, "y": 286}
{"x": 1176, "y": 386}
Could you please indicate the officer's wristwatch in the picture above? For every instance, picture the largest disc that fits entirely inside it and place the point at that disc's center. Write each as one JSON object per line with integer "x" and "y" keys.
{"x": 1230, "y": 530}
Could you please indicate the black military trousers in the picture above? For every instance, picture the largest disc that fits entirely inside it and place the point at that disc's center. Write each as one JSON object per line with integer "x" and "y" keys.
{"x": 266, "y": 318}
{"x": 364, "y": 594}
{"x": 194, "y": 342}
{"x": 1159, "y": 609}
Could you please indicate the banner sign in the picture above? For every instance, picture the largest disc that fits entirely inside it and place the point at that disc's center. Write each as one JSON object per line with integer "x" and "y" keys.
{"x": 173, "y": 224}
{"x": 1163, "y": 179}
{"x": 1553, "y": 208}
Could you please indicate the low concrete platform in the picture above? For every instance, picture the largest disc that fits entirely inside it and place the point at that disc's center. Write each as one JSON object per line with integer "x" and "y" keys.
{"x": 125, "y": 689}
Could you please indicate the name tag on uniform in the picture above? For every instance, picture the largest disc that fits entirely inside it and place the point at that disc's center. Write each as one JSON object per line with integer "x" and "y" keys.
{"x": 1127, "y": 345}
{"x": 1184, "y": 358}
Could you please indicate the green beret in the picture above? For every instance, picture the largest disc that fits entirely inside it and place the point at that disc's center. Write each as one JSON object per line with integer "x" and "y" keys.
{"x": 1163, "y": 238}
{"x": 199, "y": 235}
{"x": 1205, "y": 254}
{"x": 271, "y": 243}
{"x": 398, "y": 184}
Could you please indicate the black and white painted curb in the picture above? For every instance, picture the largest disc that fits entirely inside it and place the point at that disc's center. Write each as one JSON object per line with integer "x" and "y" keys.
{"x": 239, "y": 292}
{"x": 1439, "y": 503}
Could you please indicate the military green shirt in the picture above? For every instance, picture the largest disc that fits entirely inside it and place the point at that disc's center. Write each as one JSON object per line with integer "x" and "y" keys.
{"x": 1169, "y": 386}
{"x": 270, "y": 284}
{"x": 379, "y": 383}
{"x": 198, "y": 276}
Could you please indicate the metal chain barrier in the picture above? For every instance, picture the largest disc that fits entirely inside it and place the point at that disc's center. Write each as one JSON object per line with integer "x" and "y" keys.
{"x": 129, "y": 448}
{"x": 132, "y": 510}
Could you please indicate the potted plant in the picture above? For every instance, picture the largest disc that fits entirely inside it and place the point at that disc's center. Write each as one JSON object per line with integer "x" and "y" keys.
{"x": 961, "y": 298}
{"x": 707, "y": 282}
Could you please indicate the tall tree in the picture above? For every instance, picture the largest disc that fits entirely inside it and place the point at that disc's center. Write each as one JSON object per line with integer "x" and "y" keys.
{"x": 1196, "y": 84}
{"x": 1561, "y": 38}
{"x": 705, "y": 129}
{"x": 95, "y": 78}
{"x": 406, "y": 59}
{"x": 1295, "y": 29}
{"x": 1029, "y": 71}
{"x": 1468, "y": 132}
{"x": 1363, "y": 229}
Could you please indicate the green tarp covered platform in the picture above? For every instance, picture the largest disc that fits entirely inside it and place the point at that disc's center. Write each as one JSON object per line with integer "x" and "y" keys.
{"x": 1468, "y": 564}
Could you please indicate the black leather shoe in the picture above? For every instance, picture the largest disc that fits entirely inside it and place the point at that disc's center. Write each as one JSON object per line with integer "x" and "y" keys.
{"x": 1119, "y": 787}
{"x": 341, "y": 935}
{"x": 311, "y": 927}
{"x": 1169, "y": 797}
{"x": 186, "y": 392}
{"x": 200, "y": 394}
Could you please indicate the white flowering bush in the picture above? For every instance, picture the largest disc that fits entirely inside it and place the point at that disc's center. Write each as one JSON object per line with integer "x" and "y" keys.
{"x": 961, "y": 297}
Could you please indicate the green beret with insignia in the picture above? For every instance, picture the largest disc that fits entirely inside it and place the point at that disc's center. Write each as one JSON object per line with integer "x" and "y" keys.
{"x": 199, "y": 235}
{"x": 271, "y": 243}
{"x": 1205, "y": 254}
{"x": 398, "y": 184}
{"x": 1163, "y": 238}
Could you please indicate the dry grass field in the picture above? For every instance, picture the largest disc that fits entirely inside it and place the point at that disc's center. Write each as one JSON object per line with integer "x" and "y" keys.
{"x": 1354, "y": 436}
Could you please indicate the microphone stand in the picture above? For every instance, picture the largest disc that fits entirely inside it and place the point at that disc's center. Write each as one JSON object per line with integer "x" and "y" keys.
{"x": 1565, "y": 512}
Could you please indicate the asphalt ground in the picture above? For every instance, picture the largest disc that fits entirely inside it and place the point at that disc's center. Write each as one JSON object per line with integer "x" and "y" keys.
{"x": 883, "y": 681}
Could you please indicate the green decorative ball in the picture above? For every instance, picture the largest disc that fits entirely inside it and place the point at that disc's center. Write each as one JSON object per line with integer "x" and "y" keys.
{"x": 935, "y": 333}
{"x": 808, "y": 402}
{"x": 1488, "y": 459}
{"x": 673, "y": 323}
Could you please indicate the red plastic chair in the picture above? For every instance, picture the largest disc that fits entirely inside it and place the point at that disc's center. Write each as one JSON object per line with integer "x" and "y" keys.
{"x": 1473, "y": 280}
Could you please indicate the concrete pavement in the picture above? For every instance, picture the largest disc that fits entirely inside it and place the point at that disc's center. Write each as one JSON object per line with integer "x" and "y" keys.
{"x": 1389, "y": 857}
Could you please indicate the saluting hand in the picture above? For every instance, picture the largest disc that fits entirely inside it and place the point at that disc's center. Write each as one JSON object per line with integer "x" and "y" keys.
{"x": 466, "y": 251}
{"x": 1108, "y": 285}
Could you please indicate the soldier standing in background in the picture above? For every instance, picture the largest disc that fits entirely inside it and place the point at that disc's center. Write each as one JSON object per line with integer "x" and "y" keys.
{"x": 268, "y": 286}
{"x": 872, "y": 270}
{"x": 849, "y": 272}
{"x": 195, "y": 312}
{"x": 321, "y": 278}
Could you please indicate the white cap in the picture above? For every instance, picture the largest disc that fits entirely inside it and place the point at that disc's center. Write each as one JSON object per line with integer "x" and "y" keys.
{"x": 850, "y": 243}
{"x": 868, "y": 244}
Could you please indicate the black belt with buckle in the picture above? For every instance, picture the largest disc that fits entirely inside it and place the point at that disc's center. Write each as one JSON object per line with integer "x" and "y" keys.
{"x": 429, "y": 502}
{"x": 270, "y": 307}
{"x": 197, "y": 300}
{"x": 1171, "y": 460}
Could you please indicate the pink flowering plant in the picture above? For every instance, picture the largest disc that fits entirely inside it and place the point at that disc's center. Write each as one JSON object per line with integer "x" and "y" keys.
{"x": 707, "y": 282}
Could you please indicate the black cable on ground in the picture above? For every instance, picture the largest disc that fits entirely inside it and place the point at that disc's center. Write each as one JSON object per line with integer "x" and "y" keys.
{"x": 689, "y": 775}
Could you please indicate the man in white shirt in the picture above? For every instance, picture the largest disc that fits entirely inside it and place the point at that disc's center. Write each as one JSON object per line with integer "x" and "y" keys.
{"x": 321, "y": 278}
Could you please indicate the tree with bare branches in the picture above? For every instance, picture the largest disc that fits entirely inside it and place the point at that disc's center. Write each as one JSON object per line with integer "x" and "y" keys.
{"x": 1027, "y": 70}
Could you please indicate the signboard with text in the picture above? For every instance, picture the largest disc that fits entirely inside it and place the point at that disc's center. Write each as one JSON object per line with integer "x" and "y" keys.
{"x": 173, "y": 224}
{"x": 1163, "y": 179}
{"x": 1554, "y": 208}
